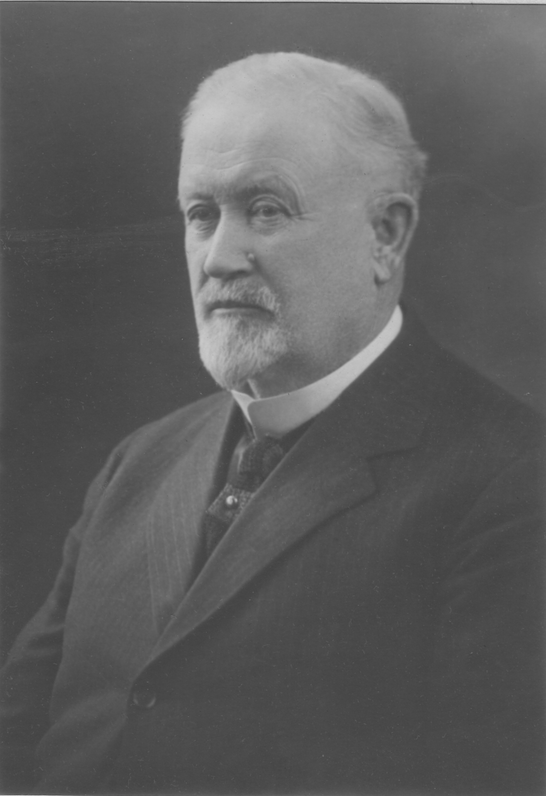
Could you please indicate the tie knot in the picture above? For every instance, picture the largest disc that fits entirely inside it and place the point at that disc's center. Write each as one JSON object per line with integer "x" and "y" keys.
{"x": 258, "y": 460}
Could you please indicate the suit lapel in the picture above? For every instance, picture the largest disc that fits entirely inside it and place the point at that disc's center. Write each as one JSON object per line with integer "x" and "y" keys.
{"x": 174, "y": 518}
{"x": 326, "y": 472}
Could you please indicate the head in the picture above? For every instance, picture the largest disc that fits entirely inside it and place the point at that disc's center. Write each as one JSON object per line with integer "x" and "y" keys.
{"x": 299, "y": 184}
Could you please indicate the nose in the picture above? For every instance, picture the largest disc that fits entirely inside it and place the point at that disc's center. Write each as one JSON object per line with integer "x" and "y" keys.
{"x": 228, "y": 251}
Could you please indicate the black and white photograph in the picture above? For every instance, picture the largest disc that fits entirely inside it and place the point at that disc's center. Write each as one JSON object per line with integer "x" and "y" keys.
{"x": 272, "y": 395}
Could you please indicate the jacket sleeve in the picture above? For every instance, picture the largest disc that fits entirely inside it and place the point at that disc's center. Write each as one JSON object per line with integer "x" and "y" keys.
{"x": 27, "y": 679}
{"x": 486, "y": 714}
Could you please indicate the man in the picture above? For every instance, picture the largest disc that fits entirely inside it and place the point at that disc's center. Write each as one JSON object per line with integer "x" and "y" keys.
{"x": 327, "y": 580}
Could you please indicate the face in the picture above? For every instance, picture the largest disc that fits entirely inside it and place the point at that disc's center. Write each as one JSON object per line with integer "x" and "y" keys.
{"x": 279, "y": 245}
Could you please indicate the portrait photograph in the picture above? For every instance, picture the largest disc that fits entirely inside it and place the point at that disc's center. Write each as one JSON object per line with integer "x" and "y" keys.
{"x": 272, "y": 395}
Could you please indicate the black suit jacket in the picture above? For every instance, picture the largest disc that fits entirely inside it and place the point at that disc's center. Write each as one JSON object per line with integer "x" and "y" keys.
{"x": 371, "y": 623}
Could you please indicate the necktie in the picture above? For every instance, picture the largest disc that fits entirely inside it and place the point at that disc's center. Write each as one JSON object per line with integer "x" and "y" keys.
{"x": 258, "y": 459}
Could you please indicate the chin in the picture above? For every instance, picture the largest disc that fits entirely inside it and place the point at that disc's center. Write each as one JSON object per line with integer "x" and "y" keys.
{"x": 235, "y": 351}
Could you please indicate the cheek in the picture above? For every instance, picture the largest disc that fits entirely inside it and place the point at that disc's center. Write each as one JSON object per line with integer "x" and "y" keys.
{"x": 191, "y": 249}
{"x": 314, "y": 264}
{"x": 193, "y": 263}
{"x": 323, "y": 279}
{"x": 287, "y": 268}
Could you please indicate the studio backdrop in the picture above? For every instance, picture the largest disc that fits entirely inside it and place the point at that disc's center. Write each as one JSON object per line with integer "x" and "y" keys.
{"x": 98, "y": 333}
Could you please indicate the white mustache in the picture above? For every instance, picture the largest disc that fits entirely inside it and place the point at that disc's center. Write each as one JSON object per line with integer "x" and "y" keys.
{"x": 261, "y": 297}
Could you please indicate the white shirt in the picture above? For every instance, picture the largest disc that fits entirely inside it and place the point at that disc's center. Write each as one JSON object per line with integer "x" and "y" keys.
{"x": 282, "y": 413}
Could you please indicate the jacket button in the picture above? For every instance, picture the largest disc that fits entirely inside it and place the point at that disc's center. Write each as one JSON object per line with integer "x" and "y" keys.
{"x": 143, "y": 698}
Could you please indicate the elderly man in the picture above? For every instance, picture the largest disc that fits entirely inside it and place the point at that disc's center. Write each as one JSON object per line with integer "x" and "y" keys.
{"x": 325, "y": 577}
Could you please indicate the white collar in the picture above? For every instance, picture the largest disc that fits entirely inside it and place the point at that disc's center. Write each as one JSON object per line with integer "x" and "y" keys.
{"x": 282, "y": 413}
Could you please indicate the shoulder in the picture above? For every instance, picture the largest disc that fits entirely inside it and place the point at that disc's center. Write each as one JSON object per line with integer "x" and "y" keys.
{"x": 467, "y": 405}
{"x": 456, "y": 397}
{"x": 182, "y": 420}
{"x": 174, "y": 432}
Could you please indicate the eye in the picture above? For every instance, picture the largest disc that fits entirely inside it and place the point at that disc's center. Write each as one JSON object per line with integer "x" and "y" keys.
{"x": 202, "y": 215}
{"x": 267, "y": 210}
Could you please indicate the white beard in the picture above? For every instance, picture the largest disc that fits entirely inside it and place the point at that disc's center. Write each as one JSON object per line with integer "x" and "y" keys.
{"x": 236, "y": 348}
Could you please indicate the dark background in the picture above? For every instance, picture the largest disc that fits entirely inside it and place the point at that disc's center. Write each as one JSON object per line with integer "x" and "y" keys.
{"x": 98, "y": 329}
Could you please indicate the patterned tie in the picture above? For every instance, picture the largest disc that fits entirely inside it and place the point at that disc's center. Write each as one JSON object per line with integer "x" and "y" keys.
{"x": 259, "y": 458}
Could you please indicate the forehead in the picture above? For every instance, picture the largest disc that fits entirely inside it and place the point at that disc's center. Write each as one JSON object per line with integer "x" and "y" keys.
{"x": 245, "y": 139}
{"x": 278, "y": 121}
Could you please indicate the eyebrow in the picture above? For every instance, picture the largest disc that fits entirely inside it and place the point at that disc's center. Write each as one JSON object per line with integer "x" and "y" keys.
{"x": 226, "y": 193}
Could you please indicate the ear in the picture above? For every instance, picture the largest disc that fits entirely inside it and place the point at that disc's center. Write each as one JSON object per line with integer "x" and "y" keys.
{"x": 394, "y": 218}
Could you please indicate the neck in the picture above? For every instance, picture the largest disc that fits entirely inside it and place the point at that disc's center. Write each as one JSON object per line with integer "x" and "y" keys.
{"x": 290, "y": 376}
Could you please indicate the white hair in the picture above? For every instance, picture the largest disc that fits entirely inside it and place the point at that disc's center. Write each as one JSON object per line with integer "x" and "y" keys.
{"x": 237, "y": 349}
{"x": 361, "y": 107}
